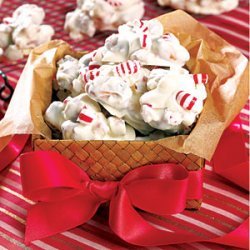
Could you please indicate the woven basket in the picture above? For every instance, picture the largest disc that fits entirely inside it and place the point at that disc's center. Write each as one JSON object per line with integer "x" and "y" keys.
{"x": 111, "y": 160}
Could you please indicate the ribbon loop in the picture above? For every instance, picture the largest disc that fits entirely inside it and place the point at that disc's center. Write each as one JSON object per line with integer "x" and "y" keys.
{"x": 159, "y": 182}
{"x": 64, "y": 191}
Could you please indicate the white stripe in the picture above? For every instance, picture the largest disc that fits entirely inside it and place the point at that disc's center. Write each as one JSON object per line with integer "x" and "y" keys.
{"x": 209, "y": 168}
{"x": 247, "y": 145}
{"x": 245, "y": 111}
{"x": 16, "y": 194}
{"x": 16, "y": 164}
{"x": 225, "y": 193}
{"x": 84, "y": 241}
{"x": 245, "y": 127}
{"x": 13, "y": 206}
{"x": 199, "y": 224}
{"x": 11, "y": 229}
{"x": 241, "y": 10}
{"x": 222, "y": 212}
{"x": 43, "y": 245}
{"x": 160, "y": 227}
{"x": 187, "y": 101}
{"x": 235, "y": 34}
{"x": 234, "y": 20}
{"x": 199, "y": 246}
{"x": 3, "y": 248}
{"x": 14, "y": 172}
{"x": 11, "y": 183}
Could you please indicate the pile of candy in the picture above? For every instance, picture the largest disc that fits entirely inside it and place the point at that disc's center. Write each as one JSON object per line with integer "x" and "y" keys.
{"x": 205, "y": 7}
{"x": 93, "y": 15}
{"x": 23, "y": 31}
{"x": 138, "y": 78}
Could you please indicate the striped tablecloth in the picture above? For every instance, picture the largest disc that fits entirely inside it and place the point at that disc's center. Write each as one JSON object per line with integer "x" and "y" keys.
{"x": 224, "y": 207}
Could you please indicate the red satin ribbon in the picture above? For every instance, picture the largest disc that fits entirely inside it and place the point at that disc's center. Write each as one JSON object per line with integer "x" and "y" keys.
{"x": 67, "y": 196}
{"x": 230, "y": 159}
{"x": 84, "y": 195}
{"x": 12, "y": 150}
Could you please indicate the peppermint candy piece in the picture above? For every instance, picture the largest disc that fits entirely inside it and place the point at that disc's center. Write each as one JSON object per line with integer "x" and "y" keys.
{"x": 114, "y": 3}
{"x": 200, "y": 78}
{"x": 127, "y": 68}
{"x": 90, "y": 75}
{"x": 86, "y": 116}
{"x": 185, "y": 100}
{"x": 142, "y": 29}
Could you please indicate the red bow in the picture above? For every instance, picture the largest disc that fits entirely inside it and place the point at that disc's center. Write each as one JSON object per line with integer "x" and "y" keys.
{"x": 66, "y": 197}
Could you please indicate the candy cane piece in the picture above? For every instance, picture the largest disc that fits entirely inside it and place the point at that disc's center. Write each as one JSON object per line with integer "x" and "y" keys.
{"x": 90, "y": 75}
{"x": 142, "y": 28}
{"x": 127, "y": 68}
{"x": 86, "y": 115}
{"x": 185, "y": 100}
{"x": 200, "y": 78}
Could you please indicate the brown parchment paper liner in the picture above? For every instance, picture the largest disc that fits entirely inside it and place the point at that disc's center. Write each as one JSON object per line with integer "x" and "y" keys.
{"x": 227, "y": 87}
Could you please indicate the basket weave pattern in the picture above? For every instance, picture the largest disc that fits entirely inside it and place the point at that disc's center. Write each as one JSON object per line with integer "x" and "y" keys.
{"x": 111, "y": 160}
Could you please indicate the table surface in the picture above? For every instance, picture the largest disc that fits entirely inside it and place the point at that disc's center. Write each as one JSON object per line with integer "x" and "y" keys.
{"x": 224, "y": 206}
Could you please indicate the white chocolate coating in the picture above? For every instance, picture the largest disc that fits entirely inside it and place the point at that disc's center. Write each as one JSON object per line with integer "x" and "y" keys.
{"x": 24, "y": 31}
{"x": 119, "y": 93}
{"x": 5, "y": 35}
{"x": 31, "y": 36}
{"x": 26, "y": 14}
{"x": 80, "y": 118}
{"x": 67, "y": 71}
{"x": 93, "y": 15}
{"x": 144, "y": 41}
{"x": 174, "y": 102}
{"x": 138, "y": 78}
{"x": 213, "y": 7}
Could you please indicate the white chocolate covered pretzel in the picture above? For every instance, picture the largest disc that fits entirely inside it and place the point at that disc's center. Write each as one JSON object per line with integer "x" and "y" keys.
{"x": 80, "y": 118}
{"x": 175, "y": 101}
{"x": 213, "y": 7}
{"x": 23, "y": 31}
{"x": 93, "y": 15}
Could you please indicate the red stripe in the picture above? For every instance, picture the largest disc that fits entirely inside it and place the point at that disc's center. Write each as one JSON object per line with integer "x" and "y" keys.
{"x": 204, "y": 78}
{"x": 85, "y": 118}
{"x": 195, "y": 77}
{"x": 122, "y": 68}
{"x": 85, "y": 77}
{"x": 128, "y": 66}
{"x": 192, "y": 103}
{"x": 141, "y": 23}
{"x": 94, "y": 66}
{"x": 144, "y": 42}
{"x": 183, "y": 99}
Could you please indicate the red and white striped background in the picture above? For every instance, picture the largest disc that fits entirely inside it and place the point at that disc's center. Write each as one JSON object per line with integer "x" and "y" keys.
{"x": 224, "y": 207}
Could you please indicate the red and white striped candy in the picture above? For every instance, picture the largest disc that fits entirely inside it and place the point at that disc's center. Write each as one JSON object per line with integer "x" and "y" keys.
{"x": 127, "y": 68}
{"x": 186, "y": 100}
{"x": 86, "y": 115}
{"x": 114, "y": 3}
{"x": 200, "y": 78}
{"x": 143, "y": 29}
{"x": 90, "y": 75}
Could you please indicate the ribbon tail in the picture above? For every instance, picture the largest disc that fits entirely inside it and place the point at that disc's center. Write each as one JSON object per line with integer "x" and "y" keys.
{"x": 230, "y": 159}
{"x": 48, "y": 218}
{"x": 130, "y": 226}
{"x": 237, "y": 238}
